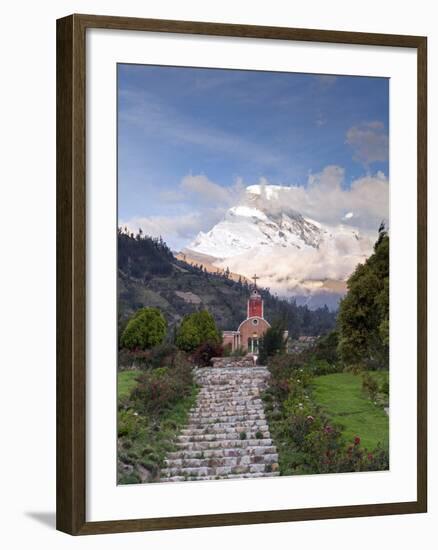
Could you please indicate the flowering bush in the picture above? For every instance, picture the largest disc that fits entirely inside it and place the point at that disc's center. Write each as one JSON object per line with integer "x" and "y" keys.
{"x": 308, "y": 442}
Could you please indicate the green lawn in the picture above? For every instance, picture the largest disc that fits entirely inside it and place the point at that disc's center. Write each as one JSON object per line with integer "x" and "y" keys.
{"x": 126, "y": 382}
{"x": 341, "y": 396}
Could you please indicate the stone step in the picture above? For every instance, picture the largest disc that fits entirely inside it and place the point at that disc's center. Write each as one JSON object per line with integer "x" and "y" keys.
{"x": 232, "y": 461}
{"x": 212, "y": 427}
{"x": 219, "y": 440}
{"x": 222, "y": 436}
{"x": 226, "y": 428}
{"x": 223, "y": 444}
{"x": 228, "y": 418}
{"x": 217, "y": 470}
{"x": 228, "y": 410}
{"x": 219, "y": 453}
{"x": 228, "y": 400}
{"x": 231, "y": 476}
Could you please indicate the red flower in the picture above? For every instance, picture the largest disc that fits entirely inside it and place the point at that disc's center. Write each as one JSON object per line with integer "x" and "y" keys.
{"x": 370, "y": 456}
{"x": 356, "y": 440}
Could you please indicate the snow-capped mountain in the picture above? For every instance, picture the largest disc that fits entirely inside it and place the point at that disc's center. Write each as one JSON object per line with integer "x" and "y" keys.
{"x": 245, "y": 228}
{"x": 292, "y": 254}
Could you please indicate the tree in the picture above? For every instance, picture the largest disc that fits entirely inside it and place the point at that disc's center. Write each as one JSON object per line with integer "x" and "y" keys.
{"x": 326, "y": 348}
{"x": 196, "y": 329}
{"x": 147, "y": 328}
{"x": 363, "y": 320}
{"x": 272, "y": 343}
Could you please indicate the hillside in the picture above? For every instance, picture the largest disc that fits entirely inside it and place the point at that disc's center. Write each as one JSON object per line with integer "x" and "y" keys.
{"x": 150, "y": 275}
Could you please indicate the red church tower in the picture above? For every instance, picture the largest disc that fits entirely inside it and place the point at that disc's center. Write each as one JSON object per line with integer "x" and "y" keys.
{"x": 255, "y": 302}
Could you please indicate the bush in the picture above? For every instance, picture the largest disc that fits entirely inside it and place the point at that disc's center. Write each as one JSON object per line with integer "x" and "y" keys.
{"x": 272, "y": 343}
{"x": 196, "y": 329}
{"x": 326, "y": 348}
{"x": 385, "y": 387}
{"x": 238, "y": 352}
{"x": 370, "y": 386}
{"x": 322, "y": 367}
{"x": 159, "y": 388}
{"x": 203, "y": 354}
{"x": 128, "y": 423}
{"x": 162, "y": 355}
{"x": 147, "y": 328}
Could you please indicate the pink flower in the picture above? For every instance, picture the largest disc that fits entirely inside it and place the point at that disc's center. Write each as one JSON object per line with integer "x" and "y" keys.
{"x": 310, "y": 418}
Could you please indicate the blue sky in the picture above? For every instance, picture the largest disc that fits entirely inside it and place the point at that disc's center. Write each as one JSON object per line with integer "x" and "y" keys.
{"x": 184, "y": 131}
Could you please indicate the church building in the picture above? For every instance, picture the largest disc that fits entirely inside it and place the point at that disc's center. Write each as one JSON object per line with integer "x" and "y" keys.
{"x": 248, "y": 335}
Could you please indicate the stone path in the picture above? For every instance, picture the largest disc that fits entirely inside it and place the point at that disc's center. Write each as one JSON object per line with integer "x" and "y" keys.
{"x": 227, "y": 435}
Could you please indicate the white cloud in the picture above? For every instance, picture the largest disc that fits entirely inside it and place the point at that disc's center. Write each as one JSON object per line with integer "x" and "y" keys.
{"x": 326, "y": 199}
{"x": 203, "y": 204}
{"x": 207, "y": 191}
{"x": 369, "y": 142}
{"x": 175, "y": 230}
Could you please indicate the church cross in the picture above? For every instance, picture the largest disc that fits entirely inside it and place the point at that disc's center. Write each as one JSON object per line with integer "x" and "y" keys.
{"x": 255, "y": 280}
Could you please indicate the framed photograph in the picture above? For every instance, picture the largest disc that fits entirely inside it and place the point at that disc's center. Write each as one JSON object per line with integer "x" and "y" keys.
{"x": 241, "y": 274}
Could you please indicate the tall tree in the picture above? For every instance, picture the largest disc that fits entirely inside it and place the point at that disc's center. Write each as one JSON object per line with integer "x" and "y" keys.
{"x": 363, "y": 320}
{"x": 147, "y": 328}
{"x": 196, "y": 329}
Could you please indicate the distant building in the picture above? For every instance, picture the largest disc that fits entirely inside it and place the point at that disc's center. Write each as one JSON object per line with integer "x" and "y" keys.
{"x": 251, "y": 330}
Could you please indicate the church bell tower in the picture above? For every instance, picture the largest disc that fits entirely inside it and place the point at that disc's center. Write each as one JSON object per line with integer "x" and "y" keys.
{"x": 255, "y": 302}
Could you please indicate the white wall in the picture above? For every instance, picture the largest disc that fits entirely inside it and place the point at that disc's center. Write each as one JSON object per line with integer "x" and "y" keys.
{"x": 27, "y": 302}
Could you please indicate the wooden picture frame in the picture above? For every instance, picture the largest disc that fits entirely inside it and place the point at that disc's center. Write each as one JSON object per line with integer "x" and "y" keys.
{"x": 71, "y": 273}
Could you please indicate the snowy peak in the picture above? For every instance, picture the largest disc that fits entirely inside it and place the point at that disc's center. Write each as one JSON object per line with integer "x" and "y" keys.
{"x": 244, "y": 228}
{"x": 292, "y": 254}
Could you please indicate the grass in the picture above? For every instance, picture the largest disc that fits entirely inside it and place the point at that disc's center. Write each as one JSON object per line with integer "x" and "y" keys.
{"x": 342, "y": 398}
{"x": 126, "y": 382}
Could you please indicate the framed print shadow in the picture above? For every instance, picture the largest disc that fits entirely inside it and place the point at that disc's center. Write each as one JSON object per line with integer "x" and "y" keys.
{"x": 241, "y": 274}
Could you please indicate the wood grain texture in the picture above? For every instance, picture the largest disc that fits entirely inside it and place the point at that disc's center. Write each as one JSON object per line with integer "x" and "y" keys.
{"x": 71, "y": 270}
{"x": 70, "y": 385}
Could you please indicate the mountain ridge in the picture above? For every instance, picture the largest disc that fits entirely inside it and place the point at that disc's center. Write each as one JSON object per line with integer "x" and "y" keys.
{"x": 149, "y": 275}
{"x": 292, "y": 254}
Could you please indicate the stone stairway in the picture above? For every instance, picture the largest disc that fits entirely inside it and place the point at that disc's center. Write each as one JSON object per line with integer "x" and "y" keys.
{"x": 227, "y": 435}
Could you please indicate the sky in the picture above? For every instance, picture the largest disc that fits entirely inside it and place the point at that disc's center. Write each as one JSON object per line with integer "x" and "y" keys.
{"x": 191, "y": 139}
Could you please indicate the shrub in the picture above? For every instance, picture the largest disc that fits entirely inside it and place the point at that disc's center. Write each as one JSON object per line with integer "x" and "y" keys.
{"x": 322, "y": 367}
{"x": 385, "y": 387}
{"x": 326, "y": 348}
{"x": 128, "y": 423}
{"x": 158, "y": 388}
{"x": 272, "y": 343}
{"x": 370, "y": 386}
{"x": 129, "y": 479}
{"x": 196, "y": 329}
{"x": 203, "y": 354}
{"x": 147, "y": 328}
